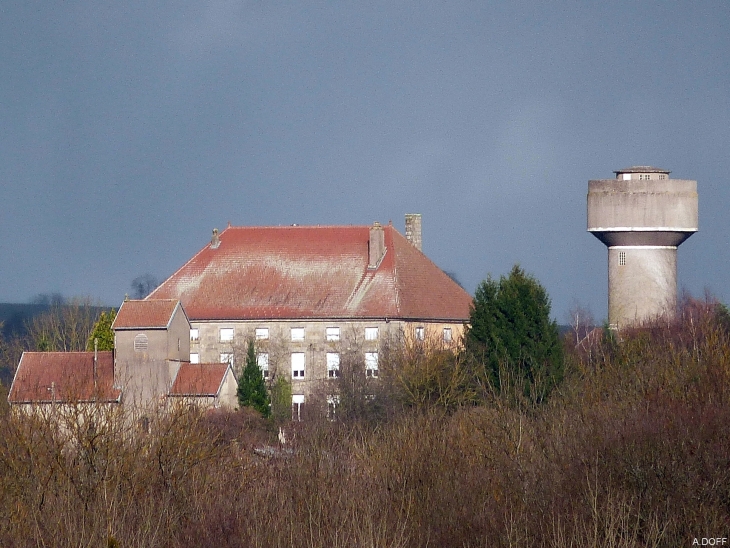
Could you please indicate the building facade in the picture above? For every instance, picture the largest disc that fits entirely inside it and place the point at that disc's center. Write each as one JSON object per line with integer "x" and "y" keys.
{"x": 310, "y": 295}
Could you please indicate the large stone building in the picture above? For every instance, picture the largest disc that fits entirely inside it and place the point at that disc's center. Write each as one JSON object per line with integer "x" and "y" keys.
{"x": 306, "y": 294}
{"x": 642, "y": 216}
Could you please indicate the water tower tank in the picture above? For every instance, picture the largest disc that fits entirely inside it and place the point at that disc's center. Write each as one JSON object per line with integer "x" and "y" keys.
{"x": 642, "y": 216}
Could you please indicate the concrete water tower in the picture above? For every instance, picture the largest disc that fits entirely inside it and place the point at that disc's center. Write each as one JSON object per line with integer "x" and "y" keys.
{"x": 642, "y": 216}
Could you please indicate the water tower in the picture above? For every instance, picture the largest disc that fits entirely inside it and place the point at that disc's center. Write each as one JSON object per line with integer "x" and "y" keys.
{"x": 642, "y": 216}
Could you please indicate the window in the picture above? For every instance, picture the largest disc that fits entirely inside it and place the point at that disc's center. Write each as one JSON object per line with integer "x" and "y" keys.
{"x": 297, "y": 333}
{"x": 226, "y": 357}
{"x": 371, "y": 364}
{"x": 622, "y": 258}
{"x": 420, "y": 333}
{"x": 226, "y": 334}
{"x": 447, "y": 334}
{"x": 332, "y": 402}
{"x": 333, "y": 365}
{"x": 333, "y": 333}
{"x": 297, "y": 400}
{"x": 194, "y": 335}
{"x": 662, "y": 176}
{"x": 263, "y": 362}
{"x": 371, "y": 333}
{"x": 262, "y": 333}
{"x": 297, "y": 365}
{"x": 194, "y": 357}
{"x": 140, "y": 343}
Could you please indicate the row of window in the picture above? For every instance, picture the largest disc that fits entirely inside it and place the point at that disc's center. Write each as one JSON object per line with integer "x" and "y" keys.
{"x": 333, "y": 402}
{"x": 297, "y": 400}
{"x": 225, "y": 334}
{"x": 298, "y": 363}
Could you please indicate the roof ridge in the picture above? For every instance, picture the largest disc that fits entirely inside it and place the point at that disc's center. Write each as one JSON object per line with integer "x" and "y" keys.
{"x": 294, "y": 226}
{"x": 359, "y": 291}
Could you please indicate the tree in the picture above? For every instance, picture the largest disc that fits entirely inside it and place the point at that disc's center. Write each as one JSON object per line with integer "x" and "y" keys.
{"x": 102, "y": 332}
{"x": 512, "y": 334}
{"x": 281, "y": 404}
{"x": 428, "y": 374}
{"x": 251, "y": 385}
{"x": 144, "y": 285}
{"x": 65, "y": 327}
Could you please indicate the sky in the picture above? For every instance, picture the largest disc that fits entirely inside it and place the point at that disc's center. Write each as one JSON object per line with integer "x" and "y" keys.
{"x": 129, "y": 130}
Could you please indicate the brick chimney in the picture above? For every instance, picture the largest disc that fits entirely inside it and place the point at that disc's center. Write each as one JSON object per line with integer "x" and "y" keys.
{"x": 413, "y": 230}
{"x": 376, "y": 246}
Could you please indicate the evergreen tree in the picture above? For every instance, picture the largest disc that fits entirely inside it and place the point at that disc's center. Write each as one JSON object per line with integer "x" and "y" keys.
{"x": 511, "y": 332}
{"x": 102, "y": 331}
{"x": 251, "y": 386}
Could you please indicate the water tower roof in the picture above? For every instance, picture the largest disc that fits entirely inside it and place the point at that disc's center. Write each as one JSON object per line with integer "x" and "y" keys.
{"x": 641, "y": 169}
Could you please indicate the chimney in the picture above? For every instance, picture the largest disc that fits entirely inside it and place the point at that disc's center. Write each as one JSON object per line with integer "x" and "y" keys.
{"x": 215, "y": 241}
{"x": 376, "y": 247}
{"x": 413, "y": 230}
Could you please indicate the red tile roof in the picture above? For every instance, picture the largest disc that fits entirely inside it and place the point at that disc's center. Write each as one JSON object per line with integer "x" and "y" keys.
{"x": 199, "y": 379}
{"x": 64, "y": 377}
{"x": 312, "y": 272}
{"x": 147, "y": 314}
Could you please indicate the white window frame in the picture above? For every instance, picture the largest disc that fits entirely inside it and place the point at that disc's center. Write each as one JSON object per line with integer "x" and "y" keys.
{"x": 448, "y": 335}
{"x": 226, "y": 334}
{"x": 262, "y": 360}
{"x": 298, "y": 366}
{"x": 194, "y": 357}
{"x": 262, "y": 333}
{"x": 333, "y": 365}
{"x": 333, "y": 401}
{"x": 297, "y": 334}
{"x": 332, "y": 333}
{"x": 371, "y": 333}
{"x": 371, "y": 364}
{"x": 194, "y": 334}
{"x": 226, "y": 357}
{"x": 297, "y": 400}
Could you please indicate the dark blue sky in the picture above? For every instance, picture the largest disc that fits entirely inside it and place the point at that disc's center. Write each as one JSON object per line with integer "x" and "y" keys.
{"x": 128, "y": 131}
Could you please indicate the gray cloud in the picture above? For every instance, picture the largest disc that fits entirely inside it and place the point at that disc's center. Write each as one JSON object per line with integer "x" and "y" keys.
{"x": 129, "y": 131}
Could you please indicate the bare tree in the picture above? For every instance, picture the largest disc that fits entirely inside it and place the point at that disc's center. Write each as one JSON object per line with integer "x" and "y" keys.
{"x": 143, "y": 285}
{"x": 580, "y": 319}
{"x": 65, "y": 327}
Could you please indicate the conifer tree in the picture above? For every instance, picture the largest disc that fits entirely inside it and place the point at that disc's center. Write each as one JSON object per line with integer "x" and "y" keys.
{"x": 511, "y": 332}
{"x": 102, "y": 331}
{"x": 251, "y": 386}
